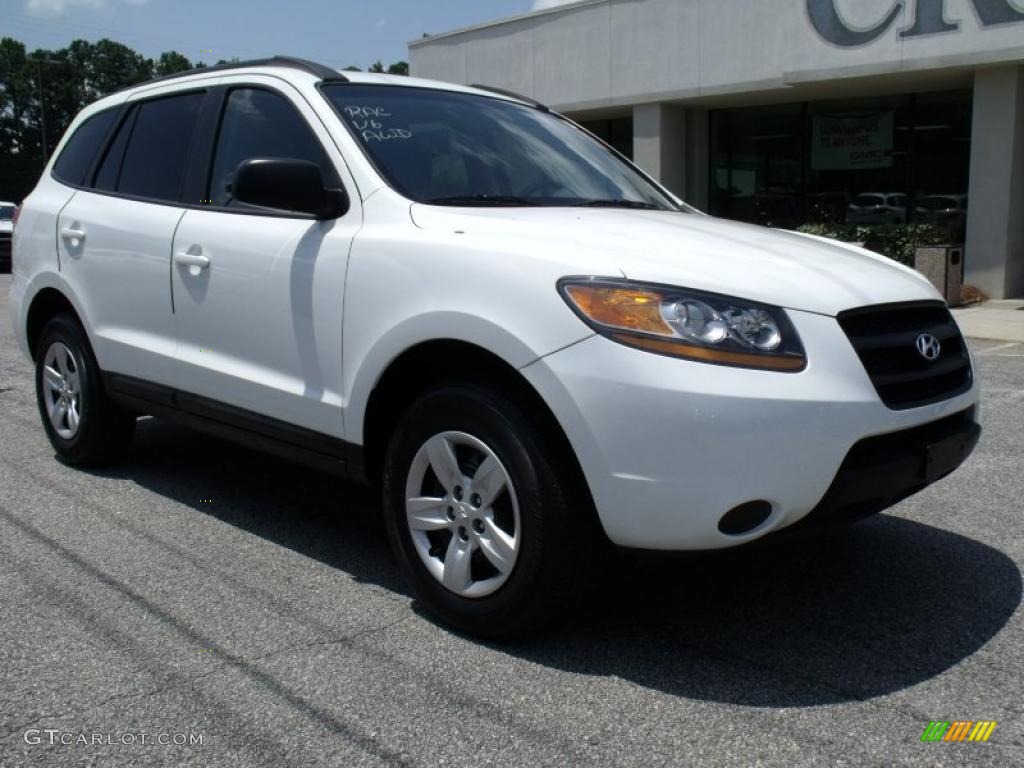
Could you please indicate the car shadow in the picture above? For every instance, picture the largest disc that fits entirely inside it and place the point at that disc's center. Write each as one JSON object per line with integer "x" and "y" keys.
{"x": 847, "y": 615}
{"x": 843, "y": 616}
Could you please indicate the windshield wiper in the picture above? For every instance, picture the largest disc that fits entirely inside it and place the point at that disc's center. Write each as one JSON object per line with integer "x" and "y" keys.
{"x": 612, "y": 203}
{"x": 496, "y": 200}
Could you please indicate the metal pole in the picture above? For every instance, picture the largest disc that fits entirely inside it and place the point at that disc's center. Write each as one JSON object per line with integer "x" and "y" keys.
{"x": 42, "y": 109}
{"x": 42, "y": 105}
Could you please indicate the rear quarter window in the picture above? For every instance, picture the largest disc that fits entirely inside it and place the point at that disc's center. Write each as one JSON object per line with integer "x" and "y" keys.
{"x": 81, "y": 149}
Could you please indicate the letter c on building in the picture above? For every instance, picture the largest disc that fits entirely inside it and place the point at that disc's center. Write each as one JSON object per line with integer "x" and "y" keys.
{"x": 830, "y": 25}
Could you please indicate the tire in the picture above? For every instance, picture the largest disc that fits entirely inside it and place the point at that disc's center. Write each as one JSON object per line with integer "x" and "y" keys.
{"x": 554, "y": 539}
{"x": 86, "y": 428}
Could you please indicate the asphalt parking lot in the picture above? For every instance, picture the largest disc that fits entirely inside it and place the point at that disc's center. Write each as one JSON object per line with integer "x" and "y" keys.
{"x": 203, "y": 589}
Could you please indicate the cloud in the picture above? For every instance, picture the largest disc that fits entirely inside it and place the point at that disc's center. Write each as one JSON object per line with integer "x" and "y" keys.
{"x": 57, "y": 7}
{"x": 541, "y": 5}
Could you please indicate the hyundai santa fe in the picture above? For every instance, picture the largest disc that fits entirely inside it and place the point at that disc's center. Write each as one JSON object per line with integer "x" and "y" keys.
{"x": 531, "y": 347}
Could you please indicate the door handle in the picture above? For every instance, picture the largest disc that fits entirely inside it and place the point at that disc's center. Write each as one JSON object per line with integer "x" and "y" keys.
{"x": 72, "y": 233}
{"x": 192, "y": 260}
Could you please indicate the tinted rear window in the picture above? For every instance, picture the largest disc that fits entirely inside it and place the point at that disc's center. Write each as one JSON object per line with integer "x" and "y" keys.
{"x": 6, "y": 211}
{"x": 157, "y": 153}
{"x": 110, "y": 167}
{"x": 83, "y": 146}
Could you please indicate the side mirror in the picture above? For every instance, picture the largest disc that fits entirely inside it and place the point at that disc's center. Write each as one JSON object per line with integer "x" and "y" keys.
{"x": 287, "y": 184}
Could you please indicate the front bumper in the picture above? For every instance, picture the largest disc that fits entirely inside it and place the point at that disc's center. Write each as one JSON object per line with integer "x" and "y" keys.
{"x": 669, "y": 446}
{"x": 883, "y": 470}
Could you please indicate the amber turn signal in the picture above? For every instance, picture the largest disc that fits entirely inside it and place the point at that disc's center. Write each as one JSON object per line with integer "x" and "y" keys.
{"x": 627, "y": 308}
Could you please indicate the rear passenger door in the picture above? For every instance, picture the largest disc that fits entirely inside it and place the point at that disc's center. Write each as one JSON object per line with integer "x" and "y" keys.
{"x": 114, "y": 237}
{"x": 259, "y": 323}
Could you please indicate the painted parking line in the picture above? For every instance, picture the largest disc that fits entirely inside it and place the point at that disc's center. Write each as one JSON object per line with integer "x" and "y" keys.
{"x": 1000, "y": 350}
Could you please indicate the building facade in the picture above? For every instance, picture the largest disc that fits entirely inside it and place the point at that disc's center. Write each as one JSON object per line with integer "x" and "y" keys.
{"x": 787, "y": 112}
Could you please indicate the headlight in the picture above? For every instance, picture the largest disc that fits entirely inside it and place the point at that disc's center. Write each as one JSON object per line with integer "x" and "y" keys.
{"x": 683, "y": 323}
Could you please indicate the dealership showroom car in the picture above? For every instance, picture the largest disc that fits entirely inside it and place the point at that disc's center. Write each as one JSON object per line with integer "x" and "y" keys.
{"x": 877, "y": 208}
{"x": 530, "y": 347}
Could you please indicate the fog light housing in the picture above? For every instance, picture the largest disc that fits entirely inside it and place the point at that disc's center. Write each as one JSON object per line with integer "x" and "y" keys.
{"x": 745, "y": 517}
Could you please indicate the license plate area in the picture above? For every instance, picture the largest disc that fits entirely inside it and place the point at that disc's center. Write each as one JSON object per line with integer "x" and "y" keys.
{"x": 942, "y": 457}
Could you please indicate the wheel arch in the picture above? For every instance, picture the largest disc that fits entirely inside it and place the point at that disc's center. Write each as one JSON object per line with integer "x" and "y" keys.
{"x": 430, "y": 364}
{"x": 47, "y": 303}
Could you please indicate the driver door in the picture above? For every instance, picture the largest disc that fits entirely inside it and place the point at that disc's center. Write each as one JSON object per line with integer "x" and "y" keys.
{"x": 258, "y": 293}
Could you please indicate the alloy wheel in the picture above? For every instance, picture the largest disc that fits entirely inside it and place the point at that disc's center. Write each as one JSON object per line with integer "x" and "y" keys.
{"x": 62, "y": 394}
{"x": 463, "y": 514}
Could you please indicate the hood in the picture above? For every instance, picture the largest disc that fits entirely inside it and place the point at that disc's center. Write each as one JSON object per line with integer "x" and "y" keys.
{"x": 772, "y": 266}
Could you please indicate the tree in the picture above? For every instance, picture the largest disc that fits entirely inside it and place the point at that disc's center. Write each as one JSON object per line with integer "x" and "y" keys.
{"x": 377, "y": 66}
{"x": 113, "y": 66}
{"x": 171, "y": 62}
{"x": 352, "y": 68}
{"x": 15, "y": 95}
{"x": 20, "y": 160}
{"x": 399, "y": 68}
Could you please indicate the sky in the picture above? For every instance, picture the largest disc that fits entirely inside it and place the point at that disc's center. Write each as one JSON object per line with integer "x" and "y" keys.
{"x": 333, "y": 32}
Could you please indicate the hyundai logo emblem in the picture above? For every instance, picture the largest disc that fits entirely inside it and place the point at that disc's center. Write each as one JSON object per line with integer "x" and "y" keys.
{"x": 928, "y": 346}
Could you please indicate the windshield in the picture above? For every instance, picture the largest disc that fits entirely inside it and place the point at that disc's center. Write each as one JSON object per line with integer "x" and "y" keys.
{"x": 6, "y": 211}
{"x": 449, "y": 148}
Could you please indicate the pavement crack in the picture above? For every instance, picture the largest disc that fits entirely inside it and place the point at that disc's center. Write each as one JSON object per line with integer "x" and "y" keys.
{"x": 323, "y": 643}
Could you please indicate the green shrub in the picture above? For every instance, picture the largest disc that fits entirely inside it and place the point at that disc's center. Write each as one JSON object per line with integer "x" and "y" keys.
{"x": 897, "y": 241}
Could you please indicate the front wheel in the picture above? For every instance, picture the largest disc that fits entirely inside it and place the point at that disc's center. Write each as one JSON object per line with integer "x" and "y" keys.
{"x": 480, "y": 517}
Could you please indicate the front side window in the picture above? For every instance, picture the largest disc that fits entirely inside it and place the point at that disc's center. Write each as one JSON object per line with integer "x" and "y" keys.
{"x": 450, "y": 148}
{"x": 6, "y": 212}
{"x": 260, "y": 123}
{"x": 78, "y": 154}
{"x": 157, "y": 152}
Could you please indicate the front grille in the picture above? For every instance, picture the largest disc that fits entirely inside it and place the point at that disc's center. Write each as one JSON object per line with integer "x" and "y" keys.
{"x": 885, "y": 338}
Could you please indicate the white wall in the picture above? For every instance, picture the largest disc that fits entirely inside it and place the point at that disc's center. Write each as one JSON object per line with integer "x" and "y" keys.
{"x": 994, "y": 258}
{"x": 597, "y": 53}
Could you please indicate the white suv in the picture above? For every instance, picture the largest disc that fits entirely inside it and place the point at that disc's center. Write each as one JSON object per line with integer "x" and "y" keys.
{"x": 466, "y": 299}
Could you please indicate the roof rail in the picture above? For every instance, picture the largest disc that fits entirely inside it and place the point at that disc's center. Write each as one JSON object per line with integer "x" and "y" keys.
{"x": 513, "y": 95}
{"x": 324, "y": 73}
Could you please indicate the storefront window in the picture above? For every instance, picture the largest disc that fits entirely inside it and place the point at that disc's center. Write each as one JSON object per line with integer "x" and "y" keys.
{"x": 887, "y": 160}
{"x": 618, "y": 132}
{"x": 756, "y": 169}
{"x": 858, "y": 169}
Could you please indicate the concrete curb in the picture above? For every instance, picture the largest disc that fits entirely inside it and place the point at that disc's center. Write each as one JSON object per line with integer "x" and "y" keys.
{"x": 996, "y": 320}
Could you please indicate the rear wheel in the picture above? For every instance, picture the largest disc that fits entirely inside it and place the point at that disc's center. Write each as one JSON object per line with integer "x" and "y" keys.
{"x": 84, "y": 426}
{"x": 479, "y": 515}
